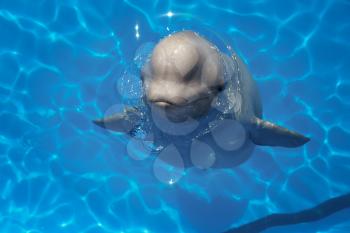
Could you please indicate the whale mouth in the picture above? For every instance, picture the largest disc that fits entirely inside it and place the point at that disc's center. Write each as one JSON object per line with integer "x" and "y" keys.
{"x": 182, "y": 111}
{"x": 163, "y": 104}
{"x": 166, "y": 103}
{"x": 183, "y": 103}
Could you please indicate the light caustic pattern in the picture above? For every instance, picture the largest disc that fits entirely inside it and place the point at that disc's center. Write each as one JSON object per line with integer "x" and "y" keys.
{"x": 60, "y": 62}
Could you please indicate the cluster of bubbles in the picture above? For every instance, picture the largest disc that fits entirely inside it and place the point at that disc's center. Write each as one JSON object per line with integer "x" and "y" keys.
{"x": 169, "y": 165}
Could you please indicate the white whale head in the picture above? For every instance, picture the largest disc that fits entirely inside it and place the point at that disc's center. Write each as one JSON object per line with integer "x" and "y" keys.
{"x": 183, "y": 76}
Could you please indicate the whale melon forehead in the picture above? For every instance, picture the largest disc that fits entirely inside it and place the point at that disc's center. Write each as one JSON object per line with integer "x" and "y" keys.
{"x": 175, "y": 55}
{"x": 185, "y": 57}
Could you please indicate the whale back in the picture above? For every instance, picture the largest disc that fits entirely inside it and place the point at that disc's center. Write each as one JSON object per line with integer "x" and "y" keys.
{"x": 241, "y": 91}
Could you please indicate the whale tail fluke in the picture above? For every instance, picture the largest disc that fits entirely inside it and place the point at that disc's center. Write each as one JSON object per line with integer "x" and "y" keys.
{"x": 265, "y": 133}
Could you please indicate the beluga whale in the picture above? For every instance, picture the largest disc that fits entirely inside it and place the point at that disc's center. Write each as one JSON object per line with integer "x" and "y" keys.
{"x": 202, "y": 102}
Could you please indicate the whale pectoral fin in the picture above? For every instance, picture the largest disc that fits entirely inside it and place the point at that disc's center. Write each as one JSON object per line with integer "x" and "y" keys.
{"x": 123, "y": 122}
{"x": 265, "y": 133}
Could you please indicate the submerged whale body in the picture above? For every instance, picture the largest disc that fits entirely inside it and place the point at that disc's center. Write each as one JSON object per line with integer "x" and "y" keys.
{"x": 203, "y": 102}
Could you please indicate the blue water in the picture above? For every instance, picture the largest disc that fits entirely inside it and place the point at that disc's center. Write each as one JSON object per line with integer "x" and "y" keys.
{"x": 59, "y": 64}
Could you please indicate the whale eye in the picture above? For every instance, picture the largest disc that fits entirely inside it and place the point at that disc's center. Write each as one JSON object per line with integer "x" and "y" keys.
{"x": 220, "y": 88}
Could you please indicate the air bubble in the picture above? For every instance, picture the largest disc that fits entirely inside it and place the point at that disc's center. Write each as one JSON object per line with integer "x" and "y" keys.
{"x": 162, "y": 122}
{"x": 143, "y": 54}
{"x": 202, "y": 155}
{"x": 129, "y": 86}
{"x": 139, "y": 149}
{"x": 169, "y": 166}
{"x": 230, "y": 135}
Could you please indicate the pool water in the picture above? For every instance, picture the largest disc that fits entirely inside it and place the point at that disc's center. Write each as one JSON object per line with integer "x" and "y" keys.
{"x": 60, "y": 63}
